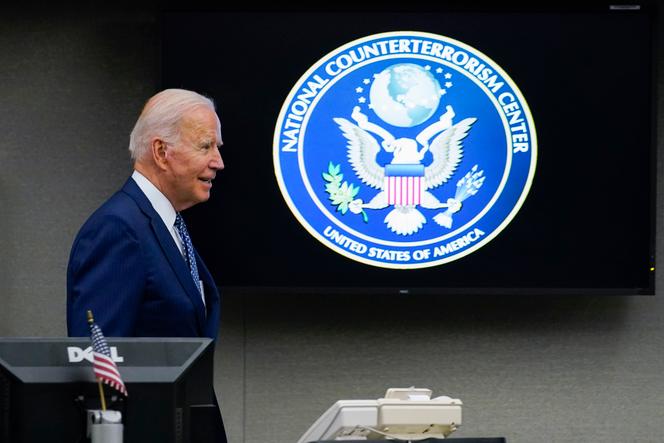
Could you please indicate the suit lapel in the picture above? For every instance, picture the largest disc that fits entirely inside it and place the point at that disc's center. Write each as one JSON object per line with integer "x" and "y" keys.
{"x": 211, "y": 297}
{"x": 171, "y": 251}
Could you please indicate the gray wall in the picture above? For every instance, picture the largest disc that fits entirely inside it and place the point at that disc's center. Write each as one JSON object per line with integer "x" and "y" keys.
{"x": 558, "y": 369}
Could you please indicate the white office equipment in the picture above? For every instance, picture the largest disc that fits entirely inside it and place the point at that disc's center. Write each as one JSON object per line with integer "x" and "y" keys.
{"x": 404, "y": 413}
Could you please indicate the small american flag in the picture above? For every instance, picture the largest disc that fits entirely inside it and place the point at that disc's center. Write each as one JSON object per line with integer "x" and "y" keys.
{"x": 104, "y": 367}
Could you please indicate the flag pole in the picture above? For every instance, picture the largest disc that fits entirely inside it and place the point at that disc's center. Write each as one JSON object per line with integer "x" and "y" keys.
{"x": 101, "y": 388}
{"x": 101, "y": 395}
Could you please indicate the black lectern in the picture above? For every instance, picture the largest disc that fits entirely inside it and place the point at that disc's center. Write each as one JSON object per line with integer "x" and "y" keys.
{"x": 46, "y": 385}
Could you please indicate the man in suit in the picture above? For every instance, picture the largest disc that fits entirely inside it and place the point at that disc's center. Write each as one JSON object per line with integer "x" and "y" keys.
{"x": 132, "y": 263}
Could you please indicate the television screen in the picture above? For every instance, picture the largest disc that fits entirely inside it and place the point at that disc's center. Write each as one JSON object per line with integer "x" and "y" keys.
{"x": 420, "y": 149}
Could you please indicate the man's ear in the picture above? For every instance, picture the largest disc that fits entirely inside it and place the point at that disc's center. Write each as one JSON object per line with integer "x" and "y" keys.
{"x": 159, "y": 153}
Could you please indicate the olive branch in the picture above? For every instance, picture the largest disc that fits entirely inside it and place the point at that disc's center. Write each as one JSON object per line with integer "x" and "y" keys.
{"x": 342, "y": 195}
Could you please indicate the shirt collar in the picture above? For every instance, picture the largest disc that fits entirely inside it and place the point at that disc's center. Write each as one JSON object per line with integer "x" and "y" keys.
{"x": 158, "y": 200}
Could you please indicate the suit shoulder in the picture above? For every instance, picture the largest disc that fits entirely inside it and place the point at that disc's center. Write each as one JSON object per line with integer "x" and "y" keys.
{"x": 121, "y": 210}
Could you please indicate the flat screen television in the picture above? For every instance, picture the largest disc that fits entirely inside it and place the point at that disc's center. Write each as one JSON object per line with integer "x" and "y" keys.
{"x": 482, "y": 149}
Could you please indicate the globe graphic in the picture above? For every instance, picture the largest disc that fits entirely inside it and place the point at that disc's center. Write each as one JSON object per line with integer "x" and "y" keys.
{"x": 404, "y": 95}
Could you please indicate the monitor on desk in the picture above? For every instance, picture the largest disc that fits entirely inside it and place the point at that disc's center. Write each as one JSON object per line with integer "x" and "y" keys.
{"x": 47, "y": 384}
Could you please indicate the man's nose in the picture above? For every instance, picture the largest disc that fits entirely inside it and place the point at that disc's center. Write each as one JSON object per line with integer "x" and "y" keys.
{"x": 217, "y": 162}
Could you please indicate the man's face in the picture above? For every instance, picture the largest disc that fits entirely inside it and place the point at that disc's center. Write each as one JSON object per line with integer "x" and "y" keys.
{"x": 194, "y": 161}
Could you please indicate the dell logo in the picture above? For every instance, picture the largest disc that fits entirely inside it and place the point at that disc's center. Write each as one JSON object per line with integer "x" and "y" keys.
{"x": 77, "y": 355}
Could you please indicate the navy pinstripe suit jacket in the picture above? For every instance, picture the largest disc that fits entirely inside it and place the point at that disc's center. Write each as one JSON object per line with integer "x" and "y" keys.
{"x": 126, "y": 268}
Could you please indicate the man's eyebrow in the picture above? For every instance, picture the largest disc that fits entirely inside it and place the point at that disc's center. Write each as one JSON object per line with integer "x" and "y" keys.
{"x": 206, "y": 142}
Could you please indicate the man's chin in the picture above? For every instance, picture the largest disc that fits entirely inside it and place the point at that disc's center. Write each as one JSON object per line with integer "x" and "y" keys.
{"x": 193, "y": 201}
{"x": 203, "y": 197}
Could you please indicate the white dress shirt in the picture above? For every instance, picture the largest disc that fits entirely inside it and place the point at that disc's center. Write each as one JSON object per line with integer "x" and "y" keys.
{"x": 166, "y": 212}
{"x": 160, "y": 204}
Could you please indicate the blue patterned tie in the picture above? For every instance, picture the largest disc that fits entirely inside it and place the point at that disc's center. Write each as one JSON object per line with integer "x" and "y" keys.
{"x": 188, "y": 249}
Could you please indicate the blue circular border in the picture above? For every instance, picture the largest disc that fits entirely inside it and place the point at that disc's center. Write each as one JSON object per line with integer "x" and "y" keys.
{"x": 401, "y": 255}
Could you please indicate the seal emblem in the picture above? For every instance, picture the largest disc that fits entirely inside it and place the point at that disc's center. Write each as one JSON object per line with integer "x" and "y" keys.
{"x": 405, "y": 150}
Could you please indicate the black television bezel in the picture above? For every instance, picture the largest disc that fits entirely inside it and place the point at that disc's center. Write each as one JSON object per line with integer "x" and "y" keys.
{"x": 650, "y": 8}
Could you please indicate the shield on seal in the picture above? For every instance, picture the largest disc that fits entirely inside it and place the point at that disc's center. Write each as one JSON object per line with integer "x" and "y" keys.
{"x": 404, "y": 184}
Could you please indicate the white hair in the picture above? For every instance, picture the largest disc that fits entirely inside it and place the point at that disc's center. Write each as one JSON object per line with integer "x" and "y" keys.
{"x": 161, "y": 117}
